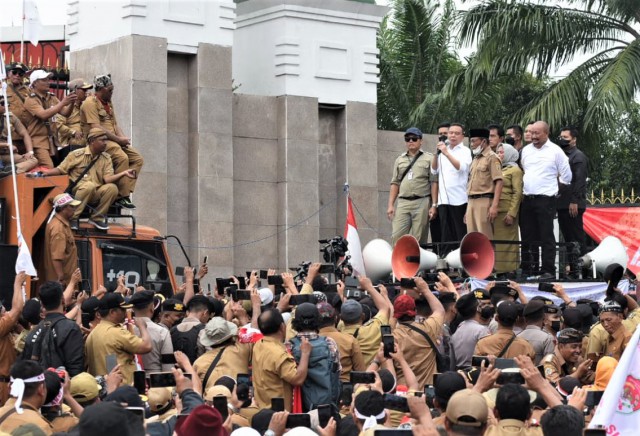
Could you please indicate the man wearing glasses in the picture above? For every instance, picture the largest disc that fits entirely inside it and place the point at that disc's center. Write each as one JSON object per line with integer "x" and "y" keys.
{"x": 17, "y": 93}
{"x": 411, "y": 186}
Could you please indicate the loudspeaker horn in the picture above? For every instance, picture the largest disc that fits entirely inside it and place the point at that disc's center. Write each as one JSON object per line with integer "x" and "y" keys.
{"x": 377, "y": 259}
{"x": 475, "y": 255}
{"x": 609, "y": 251}
{"x": 408, "y": 258}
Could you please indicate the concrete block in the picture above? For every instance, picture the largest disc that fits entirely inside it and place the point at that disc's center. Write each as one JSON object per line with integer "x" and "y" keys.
{"x": 178, "y": 154}
{"x": 178, "y": 69}
{"x": 385, "y": 168}
{"x": 151, "y": 200}
{"x": 255, "y": 116}
{"x": 298, "y": 160}
{"x": 214, "y": 66}
{"x": 214, "y": 110}
{"x": 298, "y": 204}
{"x": 215, "y": 239}
{"x": 298, "y": 118}
{"x": 384, "y": 225}
{"x": 181, "y": 230}
{"x": 363, "y": 164}
{"x": 329, "y": 199}
{"x": 256, "y": 203}
{"x": 361, "y": 122}
{"x": 215, "y": 200}
{"x": 327, "y": 126}
{"x": 214, "y": 155}
{"x": 149, "y": 104}
{"x": 326, "y": 163}
{"x": 365, "y": 199}
{"x": 392, "y": 141}
{"x": 152, "y": 144}
{"x": 177, "y": 199}
{"x": 297, "y": 245}
{"x": 255, "y": 159}
{"x": 177, "y": 109}
{"x": 258, "y": 255}
{"x": 149, "y": 55}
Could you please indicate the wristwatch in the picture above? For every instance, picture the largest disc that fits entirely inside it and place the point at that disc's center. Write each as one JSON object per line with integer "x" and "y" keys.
{"x": 269, "y": 433}
{"x": 434, "y": 205}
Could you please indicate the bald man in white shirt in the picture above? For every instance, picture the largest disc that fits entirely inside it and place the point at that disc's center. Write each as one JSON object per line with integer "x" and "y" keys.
{"x": 545, "y": 165}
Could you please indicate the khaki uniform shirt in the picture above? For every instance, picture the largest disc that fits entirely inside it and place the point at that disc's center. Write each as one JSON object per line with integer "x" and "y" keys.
{"x": 160, "y": 344}
{"x": 16, "y": 97}
{"x": 4, "y": 132}
{"x": 511, "y": 195}
{"x": 555, "y": 367}
{"x": 417, "y": 182}
{"x": 235, "y": 360}
{"x": 7, "y": 351}
{"x": 349, "y": 349}
{"x": 93, "y": 111}
{"x": 369, "y": 336}
{"x": 617, "y": 342}
{"x": 514, "y": 427}
{"x": 109, "y": 338}
{"x": 36, "y": 127}
{"x": 67, "y": 126}
{"x": 30, "y": 416}
{"x": 485, "y": 170}
{"x": 76, "y": 161}
{"x": 59, "y": 245}
{"x": 417, "y": 351}
{"x": 273, "y": 370}
{"x": 598, "y": 336}
{"x": 493, "y": 345}
{"x": 64, "y": 423}
{"x": 541, "y": 341}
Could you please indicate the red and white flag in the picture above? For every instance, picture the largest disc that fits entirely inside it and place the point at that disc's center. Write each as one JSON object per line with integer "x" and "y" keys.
{"x": 352, "y": 237}
{"x": 619, "y": 409}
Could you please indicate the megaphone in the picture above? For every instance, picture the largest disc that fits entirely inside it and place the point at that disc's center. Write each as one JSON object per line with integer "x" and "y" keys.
{"x": 408, "y": 258}
{"x": 475, "y": 256}
{"x": 377, "y": 259}
{"x": 609, "y": 251}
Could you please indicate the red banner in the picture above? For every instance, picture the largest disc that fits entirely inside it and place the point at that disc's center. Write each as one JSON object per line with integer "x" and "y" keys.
{"x": 621, "y": 222}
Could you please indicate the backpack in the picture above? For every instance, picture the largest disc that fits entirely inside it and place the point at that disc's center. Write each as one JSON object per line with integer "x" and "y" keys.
{"x": 322, "y": 385}
{"x": 187, "y": 342}
{"x": 44, "y": 345}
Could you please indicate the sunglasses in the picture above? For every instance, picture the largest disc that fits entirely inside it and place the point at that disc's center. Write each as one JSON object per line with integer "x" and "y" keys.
{"x": 17, "y": 72}
{"x": 411, "y": 139}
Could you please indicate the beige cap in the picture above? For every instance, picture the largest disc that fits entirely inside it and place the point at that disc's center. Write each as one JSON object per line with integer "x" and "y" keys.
{"x": 217, "y": 391}
{"x": 467, "y": 408}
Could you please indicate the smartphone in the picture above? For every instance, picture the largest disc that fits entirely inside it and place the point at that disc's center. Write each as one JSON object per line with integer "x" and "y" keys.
{"x": 356, "y": 377}
{"x": 298, "y": 420}
{"x": 477, "y": 361}
{"x": 205, "y": 260}
{"x": 163, "y": 379}
{"x": 264, "y": 274}
{"x": 593, "y": 398}
{"x": 395, "y": 402}
{"x": 295, "y": 300}
{"x": 502, "y": 363}
{"x": 595, "y": 432}
{"x": 546, "y": 287}
{"x": 239, "y": 294}
{"x": 388, "y": 345}
{"x": 140, "y": 382}
{"x": 510, "y": 377}
{"x": 180, "y": 271}
{"x": 111, "y": 362}
{"x": 275, "y": 280}
{"x": 220, "y": 403}
{"x": 504, "y": 283}
{"x": 385, "y": 330}
{"x": 138, "y": 412}
{"x": 330, "y": 287}
{"x": 222, "y": 283}
{"x": 243, "y": 282}
{"x": 355, "y": 294}
{"x": 407, "y": 283}
{"x": 327, "y": 268}
{"x": 324, "y": 414}
{"x": 248, "y": 273}
{"x": 277, "y": 404}
{"x": 243, "y": 379}
{"x": 435, "y": 378}
{"x": 430, "y": 394}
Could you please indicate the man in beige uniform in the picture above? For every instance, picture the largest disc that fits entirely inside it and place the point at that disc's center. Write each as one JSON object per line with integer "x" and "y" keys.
{"x": 485, "y": 184}
{"x": 23, "y": 162}
{"x": 17, "y": 93}
{"x": 42, "y": 107}
{"x": 98, "y": 184}
{"x": 411, "y": 185}
{"x": 504, "y": 343}
{"x": 97, "y": 112}
{"x": 567, "y": 359}
{"x": 61, "y": 255}
{"x": 70, "y": 134}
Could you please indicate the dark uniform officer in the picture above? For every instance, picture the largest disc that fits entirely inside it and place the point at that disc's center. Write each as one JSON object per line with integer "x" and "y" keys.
{"x": 542, "y": 342}
{"x": 567, "y": 358}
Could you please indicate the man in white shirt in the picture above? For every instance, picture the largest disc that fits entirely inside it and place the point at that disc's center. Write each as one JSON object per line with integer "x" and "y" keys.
{"x": 452, "y": 167}
{"x": 544, "y": 165}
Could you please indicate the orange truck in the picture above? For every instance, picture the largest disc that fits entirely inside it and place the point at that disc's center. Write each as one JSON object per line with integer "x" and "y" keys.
{"x": 137, "y": 252}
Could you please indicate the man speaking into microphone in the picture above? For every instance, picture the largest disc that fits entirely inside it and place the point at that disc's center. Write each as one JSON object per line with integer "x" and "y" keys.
{"x": 411, "y": 186}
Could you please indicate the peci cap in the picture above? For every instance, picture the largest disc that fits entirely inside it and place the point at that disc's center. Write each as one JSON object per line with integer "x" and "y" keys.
{"x": 569, "y": 336}
{"x": 141, "y": 299}
{"x": 84, "y": 387}
{"x": 39, "y": 75}
{"x": 217, "y": 331}
{"x": 65, "y": 199}
{"x": 507, "y": 311}
{"x": 533, "y": 307}
{"x": 111, "y": 300}
{"x": 76, "y": 84}
{"x": 404, "y": 305}
{"x": 479, "y": 133}
{"x": 467, "y": 408}
{"x": 413, "y": 131}
{"x": 95, "y": 132}
{"x": 351, "y": 311}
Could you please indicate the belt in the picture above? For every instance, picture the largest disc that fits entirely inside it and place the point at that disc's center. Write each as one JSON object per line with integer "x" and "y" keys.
{"x": 475, "y": 196}
{"x": 413, "y": 197}
{"x": 539, "y": 196}
{"x": 4, "y": 379}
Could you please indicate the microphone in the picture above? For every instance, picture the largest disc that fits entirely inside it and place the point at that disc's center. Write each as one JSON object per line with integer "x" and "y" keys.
{"x": 447, "y": 143}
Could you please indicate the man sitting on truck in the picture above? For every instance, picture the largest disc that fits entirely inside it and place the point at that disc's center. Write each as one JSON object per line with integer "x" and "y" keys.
{"x": 92, "y": 179}
{"x": 23, "y": 162}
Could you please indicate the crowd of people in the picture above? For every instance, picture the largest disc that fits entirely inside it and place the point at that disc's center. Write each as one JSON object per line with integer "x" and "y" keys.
{"x": 305, "y": 357}
{"x": 78, "y": 136}
{"x": 508, "y": 187}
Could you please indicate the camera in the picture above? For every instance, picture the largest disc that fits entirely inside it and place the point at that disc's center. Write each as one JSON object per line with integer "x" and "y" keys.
{"x": 334, "y": 249}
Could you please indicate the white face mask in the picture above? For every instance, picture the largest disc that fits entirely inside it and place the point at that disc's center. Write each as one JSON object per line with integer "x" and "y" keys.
{"x": 477, "y": 150}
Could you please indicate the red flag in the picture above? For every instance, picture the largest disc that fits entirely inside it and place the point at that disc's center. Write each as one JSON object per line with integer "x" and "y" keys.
{"x": 352, "y": 237}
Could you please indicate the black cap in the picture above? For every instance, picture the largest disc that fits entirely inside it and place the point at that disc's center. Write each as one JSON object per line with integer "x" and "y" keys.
{"x": 612, "y": 275}
{"x": 90, "y": 305}
{"x": 481, "y": 294}
{"x": 551, "y": 308}
{"x": 533, "y": 307}
{"x": 507, "y": 311}
{"x": 520, "y": 307}
{"x": 545, "y": 300}
{"x": 467, "y": 304}
{"x": 447, "y": 384}
{"x": 173, "y": 305}
{"x": 17, "y": 66}
{"x": 112, "y": 300}
{"x": 141, "y": 299}
{"x": 31, "y": 311}
{"x": 307, "y": 314}
{"x": 479, "y": 133}
{"x": 570, "y": 336}
{"x": 413, "y": 131}
{"x": 572, "y": 317}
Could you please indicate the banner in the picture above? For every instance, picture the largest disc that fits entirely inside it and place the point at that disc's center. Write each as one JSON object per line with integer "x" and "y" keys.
{"x": 352, "y": 237}
{"x": 621, "y": 222}
{"x": 32, "y": 23}
{"x": 619, "y": 409}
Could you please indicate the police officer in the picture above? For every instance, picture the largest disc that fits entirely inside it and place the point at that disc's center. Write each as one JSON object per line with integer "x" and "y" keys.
{"x": 552, "y": 319}
{"x": 485, "y": 184}
{"x": 463, "y": 341}
{"x": 504, "y": 343}
{"x": 70, "y": 133}
{"x": 541, "y": 341}
{"x": 567, "y": 359}
{"x": 160, "y": 357}
{"x": 411, "y": 186}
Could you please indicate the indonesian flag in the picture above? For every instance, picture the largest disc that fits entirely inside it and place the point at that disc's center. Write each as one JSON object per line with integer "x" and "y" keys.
{"x": 351, "y": 235}
{"x": 619, "y": 409}
{"x": 24, "y": 262}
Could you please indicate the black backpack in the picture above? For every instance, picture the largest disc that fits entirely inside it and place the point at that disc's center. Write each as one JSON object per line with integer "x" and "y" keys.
{"x": 187, "y": 342}
{"x": 44, "y": 345}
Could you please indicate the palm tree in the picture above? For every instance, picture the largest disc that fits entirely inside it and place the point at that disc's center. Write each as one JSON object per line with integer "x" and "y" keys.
{"x": 517, "y": 36}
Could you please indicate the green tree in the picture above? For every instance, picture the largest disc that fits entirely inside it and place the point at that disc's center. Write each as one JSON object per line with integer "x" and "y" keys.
{"x": 515, "y": 36}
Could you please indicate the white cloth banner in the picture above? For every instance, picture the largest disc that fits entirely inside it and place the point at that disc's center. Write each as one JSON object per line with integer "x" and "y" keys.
{"x": 24, "y": 262}
{"x": 32, "y": 23}
{"x": 619, "y": 409}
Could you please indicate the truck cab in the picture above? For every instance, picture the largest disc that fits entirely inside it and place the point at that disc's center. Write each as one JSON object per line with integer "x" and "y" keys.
{"x": 139, "y": 253}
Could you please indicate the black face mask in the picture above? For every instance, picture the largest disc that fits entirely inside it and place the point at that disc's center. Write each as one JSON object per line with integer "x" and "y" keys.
{"x": 487, "y": 312}
{"x": 555, "y": 326}
{"x": 510, "y": 140}
{"x": 564, "y": 143}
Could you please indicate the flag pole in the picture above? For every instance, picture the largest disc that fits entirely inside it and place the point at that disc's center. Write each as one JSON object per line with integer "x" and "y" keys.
{"x": 21, "y": 38}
